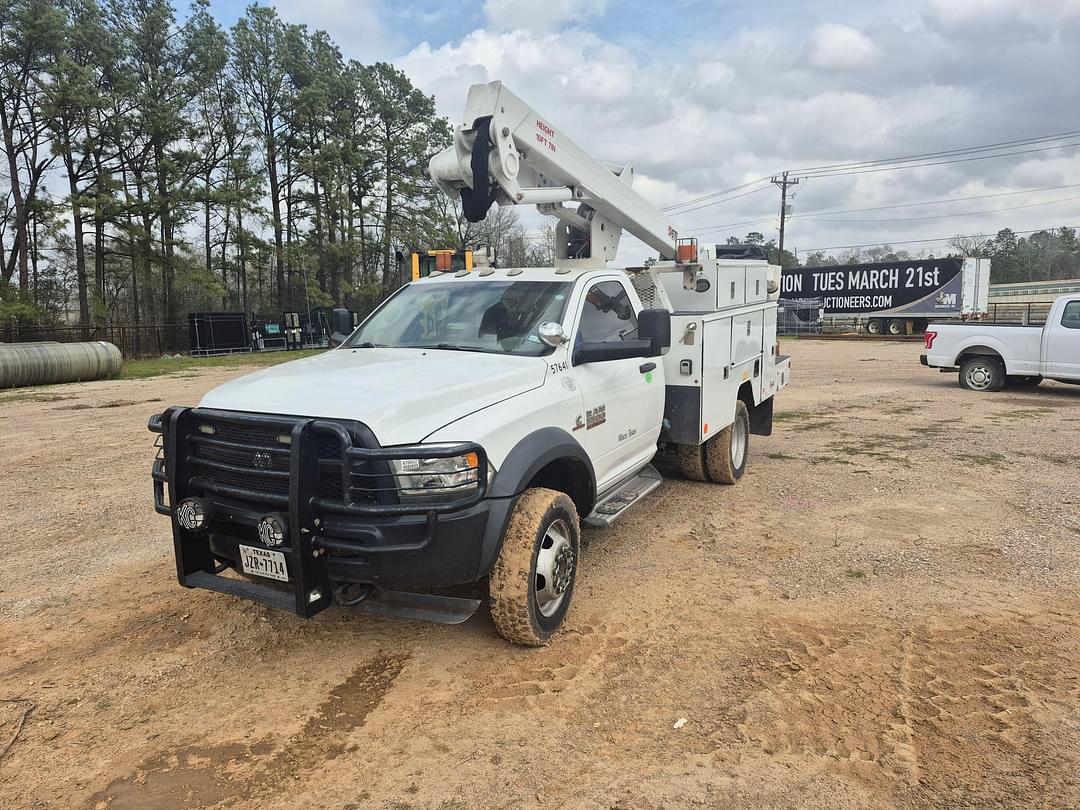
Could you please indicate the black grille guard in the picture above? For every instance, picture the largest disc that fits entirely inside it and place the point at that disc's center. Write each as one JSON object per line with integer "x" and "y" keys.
{"x": 369, "y": 490}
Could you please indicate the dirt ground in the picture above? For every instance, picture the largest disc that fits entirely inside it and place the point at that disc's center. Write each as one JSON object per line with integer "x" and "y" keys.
{"x": 884, "y": 612}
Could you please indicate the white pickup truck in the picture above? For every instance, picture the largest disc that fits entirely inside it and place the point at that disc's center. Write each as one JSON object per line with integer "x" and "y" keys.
{"x": 466, "y": 428}
{"x": 989, "y": 355}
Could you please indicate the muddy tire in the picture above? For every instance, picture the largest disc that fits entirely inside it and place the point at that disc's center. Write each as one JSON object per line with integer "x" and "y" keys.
{"x": 692, "y": 462}
{"x": 727, "y": 452}
{"x": 533, "y": 578}
{"x": 982, "y": 373}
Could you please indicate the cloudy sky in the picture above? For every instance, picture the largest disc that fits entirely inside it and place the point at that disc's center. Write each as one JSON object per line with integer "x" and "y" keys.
{"x": 707, "y": 96}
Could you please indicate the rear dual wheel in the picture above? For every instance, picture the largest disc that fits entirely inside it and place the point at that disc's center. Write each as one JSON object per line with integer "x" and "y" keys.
{"x": 722, "y": 459}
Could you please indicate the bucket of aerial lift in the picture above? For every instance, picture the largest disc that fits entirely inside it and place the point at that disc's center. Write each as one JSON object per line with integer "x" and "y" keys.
{"x": 686, "y": 251}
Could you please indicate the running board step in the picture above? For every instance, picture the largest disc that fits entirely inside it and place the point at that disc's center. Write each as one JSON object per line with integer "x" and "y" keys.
{"x": 420, "y": 606}
{"x": 612, "y": 505}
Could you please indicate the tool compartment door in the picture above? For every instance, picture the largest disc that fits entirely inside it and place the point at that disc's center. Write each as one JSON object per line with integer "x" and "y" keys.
{"x": 719, "y": 387}
{"x": 683, "y": 377}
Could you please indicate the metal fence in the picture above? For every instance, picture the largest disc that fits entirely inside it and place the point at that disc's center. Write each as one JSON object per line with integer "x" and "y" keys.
{"x": 1033, "y": 313}
{"x": 134, "y": 341}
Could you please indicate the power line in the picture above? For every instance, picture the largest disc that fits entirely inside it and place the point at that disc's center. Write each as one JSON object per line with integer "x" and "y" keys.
{"x": 712, "y": 228}
{"x": 940, "y": 162}
{"x": 947, "y": 200}
{"x": 722, "y": 192}
{"x": 931, "y": 155}
{"x": 1003, "y": 148}
{"x": 717, "y": 202}
{"x": 916, "y": 241}
{"x": 942, "y": 216}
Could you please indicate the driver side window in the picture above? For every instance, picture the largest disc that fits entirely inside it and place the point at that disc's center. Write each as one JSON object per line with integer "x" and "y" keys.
{"x": 607, "y": 314}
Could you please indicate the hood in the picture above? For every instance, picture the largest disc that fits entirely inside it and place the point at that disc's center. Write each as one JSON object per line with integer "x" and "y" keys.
{"x": 403, "y": 395}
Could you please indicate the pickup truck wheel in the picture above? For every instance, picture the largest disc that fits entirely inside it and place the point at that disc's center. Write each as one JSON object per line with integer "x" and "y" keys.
{"x": 533, "y": 577}
{"x": 727, "y": 452}
{"x": 692, "y": 462}
{"x": 982, "y": 373}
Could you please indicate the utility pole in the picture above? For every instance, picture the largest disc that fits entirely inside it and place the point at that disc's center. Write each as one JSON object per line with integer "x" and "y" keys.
{"x": 783, "y": 182}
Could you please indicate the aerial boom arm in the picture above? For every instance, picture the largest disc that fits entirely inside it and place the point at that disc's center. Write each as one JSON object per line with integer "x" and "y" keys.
{"x": 508, "y": 153}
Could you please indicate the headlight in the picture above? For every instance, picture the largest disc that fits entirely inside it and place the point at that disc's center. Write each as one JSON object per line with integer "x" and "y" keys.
{"x": 456, "y": 475}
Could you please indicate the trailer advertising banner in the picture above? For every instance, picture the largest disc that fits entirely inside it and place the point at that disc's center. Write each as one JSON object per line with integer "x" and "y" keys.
{"x": 928, "y": 287}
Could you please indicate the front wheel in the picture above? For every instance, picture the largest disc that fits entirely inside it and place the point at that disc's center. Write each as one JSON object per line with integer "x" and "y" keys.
{"x": 727, "y": 452}
{"x": 533, "y": 577}
{"x": 982, "y": 373}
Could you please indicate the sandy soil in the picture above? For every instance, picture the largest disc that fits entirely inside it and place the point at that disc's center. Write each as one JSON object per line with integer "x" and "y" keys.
{"x": 884, "y": 612}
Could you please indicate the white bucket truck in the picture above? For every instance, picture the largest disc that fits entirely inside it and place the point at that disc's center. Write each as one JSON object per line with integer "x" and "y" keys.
{"x": 464, "y": 431}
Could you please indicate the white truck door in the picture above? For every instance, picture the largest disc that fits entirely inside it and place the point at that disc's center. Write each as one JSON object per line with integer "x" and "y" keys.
{"x": 1062, "y": 352}
{"x": 624, "y": 399}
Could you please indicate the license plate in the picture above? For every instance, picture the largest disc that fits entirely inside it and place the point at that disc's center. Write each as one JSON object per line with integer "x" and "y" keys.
{"x": 264, "y": 563}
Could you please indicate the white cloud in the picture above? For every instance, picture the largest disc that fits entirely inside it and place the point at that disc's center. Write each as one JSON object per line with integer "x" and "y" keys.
{"x": 840, "y": 47}
{"x": 713, "y": 75}
{"x": 355, "y": 25}
{"x": 547, "y": 15}
{"x": 697, "y": 118}
{"x": 976, "y": 17}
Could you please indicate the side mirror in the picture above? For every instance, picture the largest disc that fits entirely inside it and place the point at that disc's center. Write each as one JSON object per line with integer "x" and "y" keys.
{"x": 601, "y": 352}
{"x": 654, "y": 325}
{"x": 551, "y": 334}
{"x": 341, "y": 326}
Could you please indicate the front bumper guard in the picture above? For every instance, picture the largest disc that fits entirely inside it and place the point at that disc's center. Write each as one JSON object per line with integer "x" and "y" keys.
{"x": 309, "y": 590}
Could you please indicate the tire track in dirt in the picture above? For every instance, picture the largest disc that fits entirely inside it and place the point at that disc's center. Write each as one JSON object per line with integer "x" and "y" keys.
{"x": 202, "y": 775}
{"x": 957, "y": 707}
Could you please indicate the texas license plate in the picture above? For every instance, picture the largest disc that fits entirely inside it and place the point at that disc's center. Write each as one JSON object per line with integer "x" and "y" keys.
{"x": 264, "y": 563}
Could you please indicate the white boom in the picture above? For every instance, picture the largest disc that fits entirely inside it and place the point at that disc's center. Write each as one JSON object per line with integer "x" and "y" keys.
{"x": 508, "y": 153}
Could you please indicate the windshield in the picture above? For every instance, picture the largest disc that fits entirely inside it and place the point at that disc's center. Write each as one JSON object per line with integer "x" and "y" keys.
{"x": 482, "y": 316}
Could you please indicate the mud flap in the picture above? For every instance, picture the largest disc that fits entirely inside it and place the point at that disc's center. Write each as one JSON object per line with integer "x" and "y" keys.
{"x": 761, "y": 418}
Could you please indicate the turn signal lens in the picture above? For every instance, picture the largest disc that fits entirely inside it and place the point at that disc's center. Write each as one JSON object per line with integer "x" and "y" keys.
{"x": 456, "y": 475}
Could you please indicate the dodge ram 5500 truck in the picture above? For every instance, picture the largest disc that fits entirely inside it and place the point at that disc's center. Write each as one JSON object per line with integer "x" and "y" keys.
{"x": 468, "y": 426}
{"x": 988, "y": 355}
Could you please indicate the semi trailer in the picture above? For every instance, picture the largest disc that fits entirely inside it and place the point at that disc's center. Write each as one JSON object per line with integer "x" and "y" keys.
{"x": 467, "y": 428}
{"x": 894, "y": 298}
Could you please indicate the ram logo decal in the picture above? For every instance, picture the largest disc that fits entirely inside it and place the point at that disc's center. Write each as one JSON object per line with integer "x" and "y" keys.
{"x": 594, "y": 417}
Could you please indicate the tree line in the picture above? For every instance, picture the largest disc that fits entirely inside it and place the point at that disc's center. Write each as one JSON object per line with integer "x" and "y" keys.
{"x": 155, "y": 164}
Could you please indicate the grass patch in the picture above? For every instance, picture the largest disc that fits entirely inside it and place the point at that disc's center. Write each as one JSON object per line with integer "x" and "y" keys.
{"x": 34, "y": 396}
{"x": 1022, "y": 413}
{"x": 928, "y": 430}
{"x": 856, "y": 573}
{"x": 158, "y": 367}
{"x": 985, "y": 460}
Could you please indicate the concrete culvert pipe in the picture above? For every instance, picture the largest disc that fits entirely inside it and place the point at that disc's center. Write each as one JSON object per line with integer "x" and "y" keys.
{"x": 44, "y": 363}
